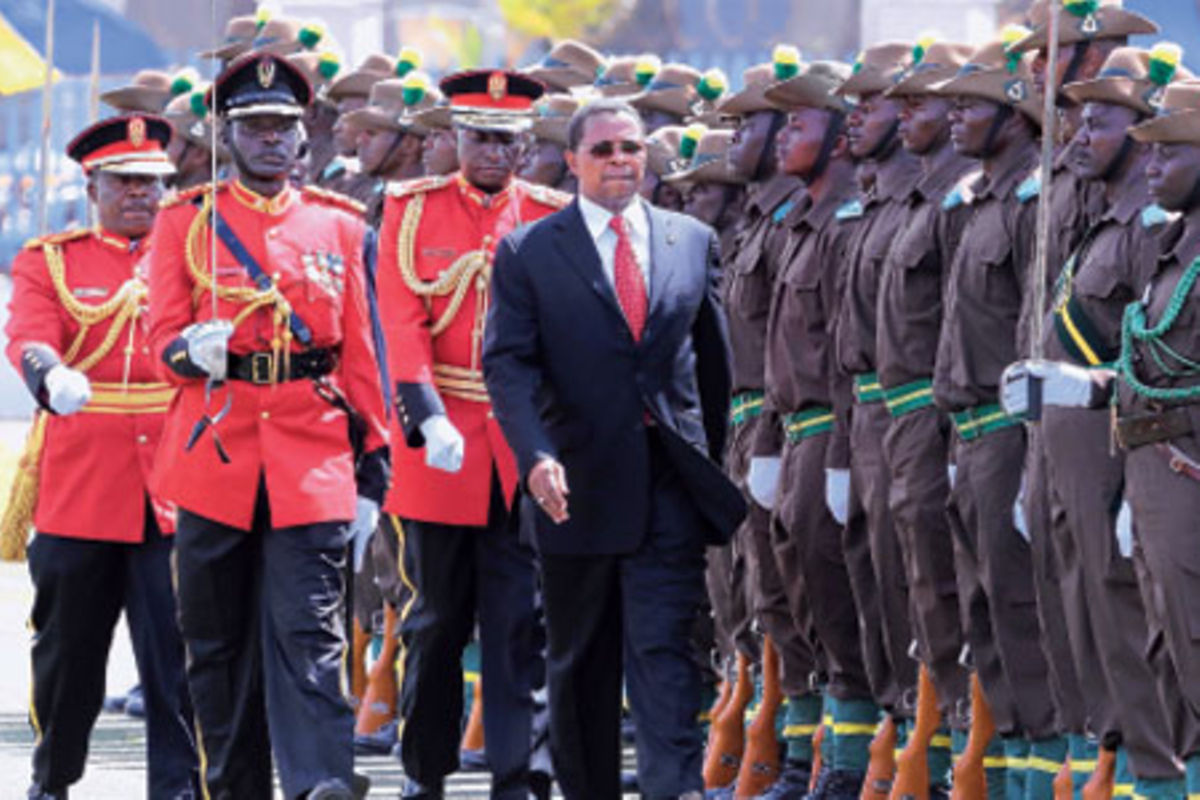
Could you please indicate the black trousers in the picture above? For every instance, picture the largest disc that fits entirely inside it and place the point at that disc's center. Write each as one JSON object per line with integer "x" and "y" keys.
{"x": 80, "y": 588}
{"x": 262, "y": 614}
{"x": 633, "y": 614}
{"x": 460, "y": 574}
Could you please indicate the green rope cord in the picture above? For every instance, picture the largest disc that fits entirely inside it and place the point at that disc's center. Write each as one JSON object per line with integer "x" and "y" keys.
{"x": 1133, "y": 329}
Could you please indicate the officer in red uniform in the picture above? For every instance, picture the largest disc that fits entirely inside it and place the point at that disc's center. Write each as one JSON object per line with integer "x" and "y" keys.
{"x": 77, "y": 333}
{"x": 276, "y": 374}
{"x": 455, "y": 480}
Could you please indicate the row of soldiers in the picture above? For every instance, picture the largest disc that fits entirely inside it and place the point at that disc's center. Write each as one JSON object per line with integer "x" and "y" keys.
{"x": 922, "y": 577}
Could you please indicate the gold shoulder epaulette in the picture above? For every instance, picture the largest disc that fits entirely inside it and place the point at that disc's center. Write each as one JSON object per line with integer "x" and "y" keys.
{"x": 335, "y": 199}
{"x": 547, "y": 196}
{"x": 190, "y": 194}
{"x": 428, "y": 183}
{"x": 57, "y": 238}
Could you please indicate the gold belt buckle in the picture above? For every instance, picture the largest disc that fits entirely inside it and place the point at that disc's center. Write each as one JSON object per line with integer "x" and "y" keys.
{"x": 262, "y": 369}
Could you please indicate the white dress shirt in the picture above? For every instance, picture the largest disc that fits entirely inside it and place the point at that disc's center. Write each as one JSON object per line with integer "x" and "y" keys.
{"x": 637, "y": 226}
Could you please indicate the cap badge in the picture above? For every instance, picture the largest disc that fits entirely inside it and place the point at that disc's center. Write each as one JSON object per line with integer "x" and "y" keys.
{"x": 497, "y": 86}
{"x": 137, "y": 132}
{"x": 1089, "y": 25}
{"x": 1016, "y": 91}
{"x": 266, "y": 72}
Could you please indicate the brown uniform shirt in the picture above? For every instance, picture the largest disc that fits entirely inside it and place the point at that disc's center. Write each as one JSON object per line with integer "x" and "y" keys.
{"x": 1108, "y": 271}
{"x": 885, "y": 210}
{"x": 988, "y": 280}
{"x": 751, "y": 267}
{"x": 916, "y": 270}
{"x": 799, "y": 344}
{"x": 1180, "y": 245}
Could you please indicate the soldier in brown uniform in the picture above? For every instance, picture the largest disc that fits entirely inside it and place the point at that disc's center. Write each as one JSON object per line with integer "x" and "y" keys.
{"x": 995, "y": 119}
{"x": 542, "y": 160}
{"x": 917, "y": 442}
{"x": 861, "y": 492}
{"x": 751, "y": 267}
{"x": 1105, "y": 615}
{"x": 805, "y": 409}
{"x": 1088, "y": 32}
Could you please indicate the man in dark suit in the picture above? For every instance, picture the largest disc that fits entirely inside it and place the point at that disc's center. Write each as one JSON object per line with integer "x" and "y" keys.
{"x": 607, "y": 363}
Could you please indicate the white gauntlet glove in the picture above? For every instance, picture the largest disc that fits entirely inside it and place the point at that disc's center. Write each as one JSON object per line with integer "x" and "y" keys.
{"x": 1062, "y": 385}
{"x": 366, "y": 520}
{"x": 443, "y": 444}
{"x": 762, "y": 480}
{"x": 837, "y": 494}
{"x": 208, "y": 345}
{"x": 1124, "y": 530}
{"x": 68, "y": 389}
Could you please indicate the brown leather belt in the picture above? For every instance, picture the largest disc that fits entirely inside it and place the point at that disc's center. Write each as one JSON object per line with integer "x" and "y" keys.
{"x": 1133, "y": 432}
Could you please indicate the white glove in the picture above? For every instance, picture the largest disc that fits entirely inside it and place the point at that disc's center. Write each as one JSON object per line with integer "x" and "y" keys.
{"x": 208, "y": 345}
{"x": 837, "y": 494}
{"x": 1018, "y": 512}
{"x": 366, "y": 520}
{"x": 952, "y": 474}
{"x": 763, "y": 480}
{"x": 68, "y": 389}
{"x": 1062, "y": 385}
{"x": 1125, "y": 530}
{"x": 443, "y": 444}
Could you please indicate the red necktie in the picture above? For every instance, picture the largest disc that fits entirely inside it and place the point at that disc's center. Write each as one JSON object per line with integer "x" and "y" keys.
{"x": 628, "y": 279}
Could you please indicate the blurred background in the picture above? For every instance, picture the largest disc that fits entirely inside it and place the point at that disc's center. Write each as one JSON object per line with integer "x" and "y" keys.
{"x": 123, "y": 36}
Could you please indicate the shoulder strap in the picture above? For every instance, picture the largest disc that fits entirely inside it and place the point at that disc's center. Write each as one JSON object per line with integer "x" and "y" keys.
{"x": 228, "y": 238}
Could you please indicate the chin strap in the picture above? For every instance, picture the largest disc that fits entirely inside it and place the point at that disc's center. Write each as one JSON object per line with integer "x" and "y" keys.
{"x": 880, "y": 151}
{"x": 1119, "y": 160}
{"x": 836, "y": 123}
{"x": 767, "y": 154}
{"x": 1003, "y": 112}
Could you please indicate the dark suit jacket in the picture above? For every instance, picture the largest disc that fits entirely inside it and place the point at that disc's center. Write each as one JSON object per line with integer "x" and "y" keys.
{"x": 568, "y": 381}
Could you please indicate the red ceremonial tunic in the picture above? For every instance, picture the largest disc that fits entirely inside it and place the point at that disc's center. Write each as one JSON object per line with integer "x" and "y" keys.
{"x": 285, "y": 433}
{"x": 96, "y": 464}
{"x": 436, "y": 245}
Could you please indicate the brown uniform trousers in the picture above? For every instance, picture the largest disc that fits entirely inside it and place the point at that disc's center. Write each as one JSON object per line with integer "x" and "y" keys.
{"x": 979, "y": 338}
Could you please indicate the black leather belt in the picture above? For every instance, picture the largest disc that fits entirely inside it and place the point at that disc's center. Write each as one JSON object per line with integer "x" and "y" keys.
{"x": 1135, "y": 431}
{"x": 264, "y": 368}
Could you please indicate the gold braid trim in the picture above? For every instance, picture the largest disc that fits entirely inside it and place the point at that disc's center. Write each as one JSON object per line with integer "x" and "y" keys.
{"x": 251, "y": 297}
{"x": 122, "y": 308}
{"x": 456, "y": 280}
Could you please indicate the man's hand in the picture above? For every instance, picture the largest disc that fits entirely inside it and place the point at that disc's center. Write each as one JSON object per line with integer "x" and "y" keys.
{"x": 443, "y": 444}
{"x": 837, "y": 494}
{"x": 548, "y": 486}
{"x": 68, "y": 389}
{"x": 762, "y": 480}
{"x": 1018, "y": 512}
{"x": 1061, "y": 385}
{"x": 208, "y": 345}
{"x": 366, "y": 520}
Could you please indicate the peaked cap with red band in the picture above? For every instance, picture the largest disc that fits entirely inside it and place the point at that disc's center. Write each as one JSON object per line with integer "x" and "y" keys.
{"x": 498, "y": 99}
{"x": 260, "y": 83}
{"x": 127, "y": 145}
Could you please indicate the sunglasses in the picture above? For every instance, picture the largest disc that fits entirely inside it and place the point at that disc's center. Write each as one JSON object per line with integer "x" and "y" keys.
{"x": 607, "y": 148}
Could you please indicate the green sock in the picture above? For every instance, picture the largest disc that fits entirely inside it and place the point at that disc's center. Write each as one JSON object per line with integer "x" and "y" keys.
{"x": 1193, "y": 774}
{"x": 939, "y": 758}
{"x": 802, "y": 715}
{"x": 903, "y": 732}
{"x": 1046, "y": 757}
{"x": 1123, "y": 785}
{"x": 854, "y": 724}
{"x": 1084, "y": 752}
{"x": 993, "y": 768}
{"x": 1159, "y": 788}
{"x": 756, "y": 700}
{"x": 828, "y": 705}
{"x": 1016, "y": 762}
